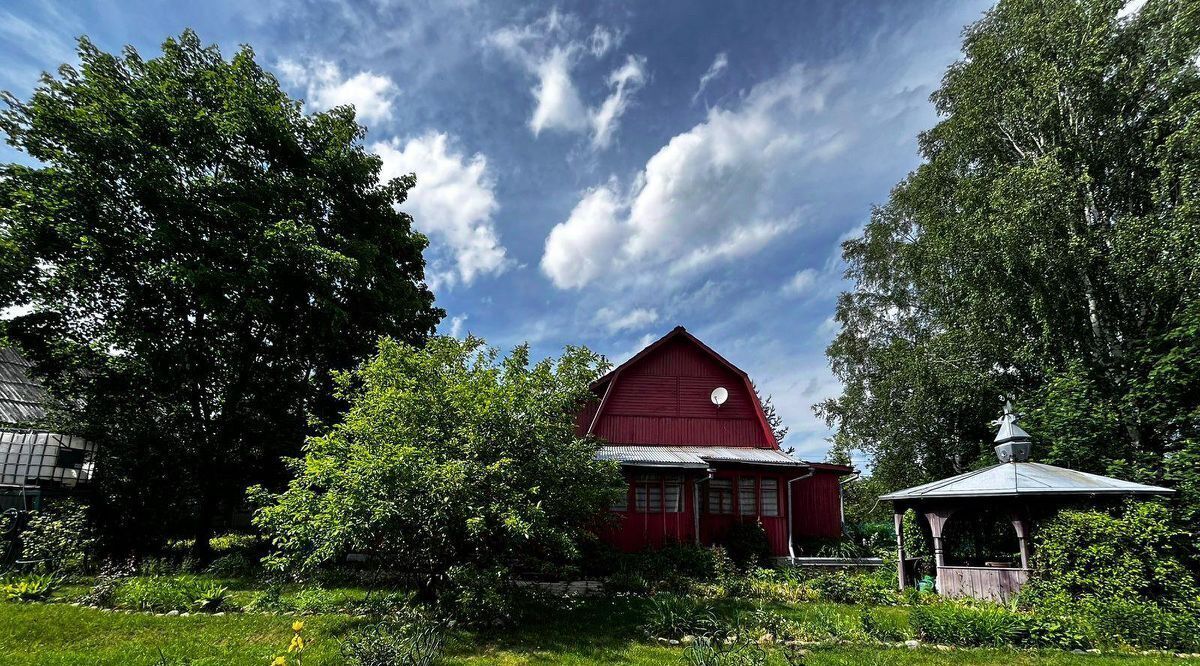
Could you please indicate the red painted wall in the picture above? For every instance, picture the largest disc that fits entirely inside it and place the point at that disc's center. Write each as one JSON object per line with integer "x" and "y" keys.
{"x": 817, "y": 506}
{"x": 663, "y": 399}
{"x": 635, "y": 531}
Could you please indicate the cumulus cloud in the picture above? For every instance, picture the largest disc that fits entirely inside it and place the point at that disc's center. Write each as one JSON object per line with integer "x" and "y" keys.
{"x": 325, "y": 87}
{"x": 616, "y": 320}
{"x": 454, "y": 203}
{"x": 717, "y": 68}
{"x": 549, "y": 50}
{"x": 705, "y": 198}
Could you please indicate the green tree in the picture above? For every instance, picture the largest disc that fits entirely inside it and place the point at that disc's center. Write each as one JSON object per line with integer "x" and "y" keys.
{"x": 448, "y": 457}
{"x": 1048, "y": 247}
{"x": 194, "y": 255}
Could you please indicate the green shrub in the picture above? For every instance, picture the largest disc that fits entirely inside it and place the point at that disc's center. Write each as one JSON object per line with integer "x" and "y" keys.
{"x": 389, "y": 644}
{"x": 30, "y": 587}
{"x": 314, "y": 601}
{"x": 626, "y": 581}
{"x": 269, "y": 600}
{"x": 715, "y": 650}
{"x": 885, "y": 626}
{"x": 966, "y": 626}
{"x": 1092, "y": 554}
{"x": 483, "y": 597}
{"x": 856, "y": 588}
{"x": 379, "y": 603}
{"x": 747, "y": 544}
{"x": 60, "y": 538}
{"x": 162, "y": 594}
{"x": 821, "y": 622}
{"x": 670, "y": 616}
{"x": 1172, "y": 626}
{"x": 235, "y": 542}
{"x": 1064, "y": 632}
{"x": 233, "y": 565}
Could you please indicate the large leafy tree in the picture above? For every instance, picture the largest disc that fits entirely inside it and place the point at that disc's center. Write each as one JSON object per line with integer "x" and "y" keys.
{"x": 1047, "y": 248}
{"x": 450, "y": 458}
{"x": 192, "y": 256}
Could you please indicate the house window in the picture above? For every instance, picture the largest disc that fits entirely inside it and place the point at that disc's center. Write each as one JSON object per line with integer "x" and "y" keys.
{"x": 747, "y": 496}
{"x": 770, "y": 497}
{"x": 720, "y": 496}
{"x": 656, "y": 493}
{"x": 647, "y": 491}
{"x": 673, "y": 494}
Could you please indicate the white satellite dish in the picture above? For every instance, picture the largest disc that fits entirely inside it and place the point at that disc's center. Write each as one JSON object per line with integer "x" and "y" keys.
{"x": 719, "y": 396}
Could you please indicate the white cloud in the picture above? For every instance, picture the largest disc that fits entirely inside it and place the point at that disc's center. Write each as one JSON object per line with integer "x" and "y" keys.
{"x": 624, "y": 81}
{"x": 558, "y": 104}
{"x": 457, "y": 324}
{"x": 718, "y": 66}
{"x": 1130, "y": 9}
{"x": 801, "y": 283}
{"x": 454, "y": 202}
{"x": 549, "y": 49}
{"x": 706, "y": 197}
{"x": 325, "y": 87}
{"x": 615, "y": 320}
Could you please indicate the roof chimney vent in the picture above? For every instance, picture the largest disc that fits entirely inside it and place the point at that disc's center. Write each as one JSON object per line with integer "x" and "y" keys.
{"x": 1012, "y": 443}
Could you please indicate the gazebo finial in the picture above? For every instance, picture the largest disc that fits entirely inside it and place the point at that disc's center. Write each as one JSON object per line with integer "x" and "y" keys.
{"x": 1012, "y": 443}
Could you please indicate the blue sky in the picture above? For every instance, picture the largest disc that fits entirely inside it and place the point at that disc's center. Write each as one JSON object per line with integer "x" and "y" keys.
{"x": 597, "y": 173}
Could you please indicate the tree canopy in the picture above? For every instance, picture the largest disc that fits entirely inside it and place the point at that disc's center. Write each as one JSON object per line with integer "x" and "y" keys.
{"x": 1047, "y": 248}
{"x": 449, "y": 457}
{"x": 192, "y": 255}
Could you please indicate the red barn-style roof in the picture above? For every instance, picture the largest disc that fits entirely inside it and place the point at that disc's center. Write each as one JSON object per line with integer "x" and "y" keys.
{"x": 661, "y": 397}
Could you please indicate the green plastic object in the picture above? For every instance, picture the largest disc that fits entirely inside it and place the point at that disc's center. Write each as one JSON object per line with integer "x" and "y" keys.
{"x": 926, "y": 584}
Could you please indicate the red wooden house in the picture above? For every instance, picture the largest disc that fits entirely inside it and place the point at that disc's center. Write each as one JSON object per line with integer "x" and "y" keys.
{"x": 699, "y": 455}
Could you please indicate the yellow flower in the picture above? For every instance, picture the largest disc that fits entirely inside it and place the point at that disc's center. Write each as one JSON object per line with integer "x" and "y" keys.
{"x": 297, "y": 626}
{"x": 279, "y": 661}
{"x": 297, "y": 644}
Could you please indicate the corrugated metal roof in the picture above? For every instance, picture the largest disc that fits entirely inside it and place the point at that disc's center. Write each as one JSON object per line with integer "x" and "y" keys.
{"x": 1024, "y": 479}
{"x": 21, "y": 398}
{"x": 698, "y": 457}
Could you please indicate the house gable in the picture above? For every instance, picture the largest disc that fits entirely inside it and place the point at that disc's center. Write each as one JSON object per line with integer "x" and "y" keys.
{"x": 661, "y": 396}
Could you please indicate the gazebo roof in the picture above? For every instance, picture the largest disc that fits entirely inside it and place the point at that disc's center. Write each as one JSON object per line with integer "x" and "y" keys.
{"x": 1015, "y": 477}
{"x": 1024, "y": 479}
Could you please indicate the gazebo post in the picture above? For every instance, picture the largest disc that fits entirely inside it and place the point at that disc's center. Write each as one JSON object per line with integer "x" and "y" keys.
{"x": 898, "y": 517}
{"x": 937, "y": 520}
{"x": 1022, "y": 530}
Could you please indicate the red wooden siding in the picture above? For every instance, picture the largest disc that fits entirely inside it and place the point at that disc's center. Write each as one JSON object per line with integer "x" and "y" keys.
{"x": 817, "y": 506}
{"x": 635, "y": 530}
{"x": 663, "y": 399}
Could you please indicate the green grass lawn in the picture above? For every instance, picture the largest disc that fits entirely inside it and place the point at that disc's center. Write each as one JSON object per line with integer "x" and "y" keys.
{"x": 597, "y": 632}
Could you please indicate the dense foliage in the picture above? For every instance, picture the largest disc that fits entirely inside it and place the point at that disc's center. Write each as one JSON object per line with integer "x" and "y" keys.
{"x": 1134, "y": 556}
{"x": 59, "y": 538}
{"x": 451, "y": 464}
{"x": 1048, "y": 248}
{"x": 191, "y": 255}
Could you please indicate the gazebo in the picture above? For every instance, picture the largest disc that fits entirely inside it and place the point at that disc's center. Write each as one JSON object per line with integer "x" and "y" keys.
{"x": 1020, "y": 491}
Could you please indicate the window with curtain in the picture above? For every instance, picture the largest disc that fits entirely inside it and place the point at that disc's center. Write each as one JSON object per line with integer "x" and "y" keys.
{"x": 770, "y": 497}
{"x": 747, "y": 496}
{"x": 720, "y": 496}
{"x": 648, "y": 494}
{"x": 673, "y": 494}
